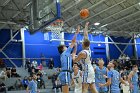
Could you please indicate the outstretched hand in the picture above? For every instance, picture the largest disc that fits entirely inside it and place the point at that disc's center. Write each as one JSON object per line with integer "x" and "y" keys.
{"x": 87, "y": 24}
{"x": 78, "y": 29}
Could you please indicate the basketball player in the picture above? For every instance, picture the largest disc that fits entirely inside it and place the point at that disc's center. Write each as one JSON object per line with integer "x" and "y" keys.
{"x": 77, "y": 78}
{"x": 114, "y": 78}
{"x": 100, "y": 76}
{"x": 133, "y": 79}
{"x": 88, "y": 72}
{"x": 32, "y": 85}
{"x": 66, "y": 63}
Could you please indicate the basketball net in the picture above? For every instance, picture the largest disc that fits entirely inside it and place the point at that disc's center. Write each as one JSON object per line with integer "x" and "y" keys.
{"x": 56, "y": 28}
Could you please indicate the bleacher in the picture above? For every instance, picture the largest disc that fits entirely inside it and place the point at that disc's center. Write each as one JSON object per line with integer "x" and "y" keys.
{"x": 22, "y": 72}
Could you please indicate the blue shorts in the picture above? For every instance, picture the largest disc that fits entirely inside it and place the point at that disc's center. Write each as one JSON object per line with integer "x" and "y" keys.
{"x": 101, "y": 89}
{"x": 135, "y": 89}
{"x": 115, "y": 91}
{"x": 65, "y": 78}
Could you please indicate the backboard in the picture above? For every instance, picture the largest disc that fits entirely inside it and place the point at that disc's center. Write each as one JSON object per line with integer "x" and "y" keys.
{"x": 43, "y": 13}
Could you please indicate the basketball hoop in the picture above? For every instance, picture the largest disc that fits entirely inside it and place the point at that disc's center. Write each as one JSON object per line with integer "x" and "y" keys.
{"x": 56, "y": 28}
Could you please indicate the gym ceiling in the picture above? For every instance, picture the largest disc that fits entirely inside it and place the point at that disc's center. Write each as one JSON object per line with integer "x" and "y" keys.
{"x": 115, "y": 17}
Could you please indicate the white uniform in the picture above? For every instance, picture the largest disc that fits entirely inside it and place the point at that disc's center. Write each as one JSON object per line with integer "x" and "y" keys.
{"x": 88, "y": 71}
{"x": 78, "y": 82}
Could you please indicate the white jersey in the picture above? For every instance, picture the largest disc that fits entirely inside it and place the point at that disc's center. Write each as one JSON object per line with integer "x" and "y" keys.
{"x": 88, "y": 71}
{"x": 78, "y": 82}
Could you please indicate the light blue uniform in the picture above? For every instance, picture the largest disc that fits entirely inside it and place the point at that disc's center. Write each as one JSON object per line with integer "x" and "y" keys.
{"x": 66, "y": 67}
{"x": 100, "y": 79}
{"x": 33, "y": 86}
{"x": 115, "y": 80}
{"x": 134, "y": 82}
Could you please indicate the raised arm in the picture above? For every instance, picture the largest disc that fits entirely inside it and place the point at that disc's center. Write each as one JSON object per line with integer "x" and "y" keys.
{"x": 80, "y": 56}
{"x": 74, "y": 38}
{"x": 75, "y": 49}
{"x": 86, "y": 31}
{"x": 75, "y": 46}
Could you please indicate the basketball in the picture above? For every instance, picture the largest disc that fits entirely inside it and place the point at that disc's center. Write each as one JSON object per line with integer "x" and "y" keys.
{"x": 84, "y": 13}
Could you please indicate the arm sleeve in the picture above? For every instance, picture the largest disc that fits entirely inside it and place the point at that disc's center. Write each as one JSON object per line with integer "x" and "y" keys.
{"x": 69, "y": 50}
{"x": 109, "y": 74}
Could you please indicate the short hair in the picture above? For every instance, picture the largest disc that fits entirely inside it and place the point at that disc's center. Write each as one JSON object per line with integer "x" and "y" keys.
{"x": 86, "y": 43}
{"x": 76, "y": 64}
{"x": 115, "y": 64}
{"x": 134, "y": 66}
{"x": 60, "y": 48}
{"x": 101, "y": 60}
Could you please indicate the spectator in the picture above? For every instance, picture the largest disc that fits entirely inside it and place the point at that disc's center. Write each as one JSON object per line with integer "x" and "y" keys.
{"x": 125, "y": 88}
{"x": 8, "y": 72}
{"x": 34, "y": 64}
{"x": 40, "y": 74}
{"x": 120, "y": 57}
{"x": 127, "y": 58}
{"x": 40, "y": 82}
{"x": 25, "y": 82}
{"x": 27, "y": 64}
{"x": 2, "y": 65}
{"x": 56, "y": 83}
{"x": 14, "y": 73}
{"x": 43, "y": 62}
{"x": 18, "y": 84}
{"x": 51, "y": 63}
{"x": 3, "y": 74}
{"x": 32, "y": 72}
{"x": 2, "y": 87}
{"x": 54, "y": 77}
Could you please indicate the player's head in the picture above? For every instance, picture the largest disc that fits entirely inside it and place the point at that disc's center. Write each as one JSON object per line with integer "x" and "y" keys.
{"x": 86, "y": 44}
{"x": 125, "y": 77}
{"x": 75, "y": 66}
{"x": 61, "y": 48}
{"x": 34, "y": 77}
{"x": 101, "y": 62}
{"x": 135, "y": 68}
{"x": 112, "y": 64}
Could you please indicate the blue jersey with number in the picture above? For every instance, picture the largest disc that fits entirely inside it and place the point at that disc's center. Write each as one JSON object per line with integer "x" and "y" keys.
{"x": 66, "y": 60}
{"x": 99, "y": 75}
{"x": 115, "y": 80}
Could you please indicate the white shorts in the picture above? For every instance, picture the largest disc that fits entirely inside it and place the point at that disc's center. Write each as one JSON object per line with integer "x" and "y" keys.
{"x": 78, "y": 90}
{"x": 89, "y": 78}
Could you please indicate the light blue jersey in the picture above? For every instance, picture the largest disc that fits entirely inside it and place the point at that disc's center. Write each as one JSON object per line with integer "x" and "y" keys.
{"x": 134, "y": 82}
{"x": 66, "y": 67}
{"x": 66, "y": 60}
{"x": 115, "y": 80}
{"x": 33, "y": 86}
{"x": 100, "y": 79}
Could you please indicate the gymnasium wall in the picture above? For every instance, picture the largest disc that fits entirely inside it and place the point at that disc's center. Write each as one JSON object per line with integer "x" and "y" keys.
{"x": 138, "y": 47}
{"x": 115, "y": 53}
{"x": 36, "y": 44}
{"x": 12, "y": 50}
